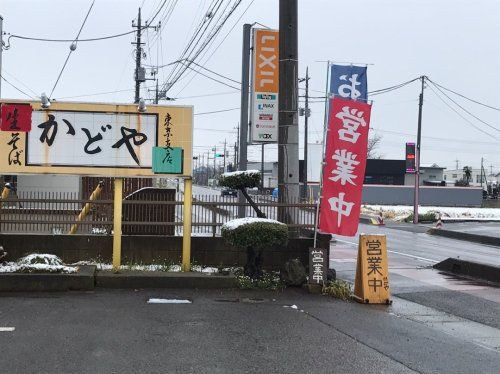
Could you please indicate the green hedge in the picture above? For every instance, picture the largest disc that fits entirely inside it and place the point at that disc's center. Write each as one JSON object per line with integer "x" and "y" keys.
{"x": 240, "y": 180}
{"x": 261, "y": 234}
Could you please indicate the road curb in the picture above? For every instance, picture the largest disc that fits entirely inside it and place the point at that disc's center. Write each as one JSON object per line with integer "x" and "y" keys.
{"x": 139, "y": 279}
{"x": 482, "y": 239}
{"x": 472, "y": 269}
{"x": 39, "y": 282}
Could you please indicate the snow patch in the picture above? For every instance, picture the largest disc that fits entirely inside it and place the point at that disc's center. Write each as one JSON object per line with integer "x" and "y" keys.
{"x": 400, "y": 212}
{"x": 235, "y": 223}
{"x": 169, "y": 301}
{"x": 38, "y": 263}
{"x": 241, "y": 172}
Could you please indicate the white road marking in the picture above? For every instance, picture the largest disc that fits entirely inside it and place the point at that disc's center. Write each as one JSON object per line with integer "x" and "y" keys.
{"x": 7, "y": 329}
{"x": 169, "y": 301}
{"x": 396, "y": 252}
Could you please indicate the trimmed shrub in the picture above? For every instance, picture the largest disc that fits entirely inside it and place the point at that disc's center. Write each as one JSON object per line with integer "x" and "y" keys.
{"x": 238, "y": 180}
{"x": 258, "y": 233}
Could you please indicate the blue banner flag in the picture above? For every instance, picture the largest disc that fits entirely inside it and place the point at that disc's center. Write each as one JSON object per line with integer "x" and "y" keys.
{"x": 349, "y": 82}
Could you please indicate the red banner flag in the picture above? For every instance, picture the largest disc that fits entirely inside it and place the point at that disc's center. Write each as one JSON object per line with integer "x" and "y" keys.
{"x": 16, "y": 117}
{"x": 344, "y": 169}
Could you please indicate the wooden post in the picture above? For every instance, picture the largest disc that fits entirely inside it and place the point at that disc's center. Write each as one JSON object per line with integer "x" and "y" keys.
{"x": 186, "y": 233}
{"x": 117, "y": 224}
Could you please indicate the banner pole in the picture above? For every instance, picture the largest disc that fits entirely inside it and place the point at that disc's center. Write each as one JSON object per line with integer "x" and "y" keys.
{"x": 325, "y": 131}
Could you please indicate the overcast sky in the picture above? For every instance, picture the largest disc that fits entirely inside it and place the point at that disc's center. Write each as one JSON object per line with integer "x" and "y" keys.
{"x": 455, "y": 43}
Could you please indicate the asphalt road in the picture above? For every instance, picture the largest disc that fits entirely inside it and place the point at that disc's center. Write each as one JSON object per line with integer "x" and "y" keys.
{"x": 118, "y": 332}
{"x": 411, "y": 256}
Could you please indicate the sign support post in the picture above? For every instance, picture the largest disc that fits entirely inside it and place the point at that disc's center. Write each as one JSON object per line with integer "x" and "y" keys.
{"x": 186, "y": 233}
{"x": 117, "y": 224}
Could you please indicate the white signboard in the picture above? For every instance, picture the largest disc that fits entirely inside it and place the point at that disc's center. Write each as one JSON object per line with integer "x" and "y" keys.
{"x": 73, "y": 138}
{"x": 265, "y": 86}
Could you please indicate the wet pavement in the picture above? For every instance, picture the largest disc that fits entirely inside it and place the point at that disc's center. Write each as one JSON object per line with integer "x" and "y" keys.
{"x": 463, "y": 305}
{"x": 478, "y": 228}
{"x": 117, "y": 331}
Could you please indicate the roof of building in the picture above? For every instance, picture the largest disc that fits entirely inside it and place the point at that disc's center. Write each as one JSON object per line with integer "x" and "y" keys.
{"x": 431, "y": 166}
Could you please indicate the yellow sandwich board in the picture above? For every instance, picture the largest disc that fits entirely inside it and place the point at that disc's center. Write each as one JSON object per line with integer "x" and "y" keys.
{"x": 372, "y": 270}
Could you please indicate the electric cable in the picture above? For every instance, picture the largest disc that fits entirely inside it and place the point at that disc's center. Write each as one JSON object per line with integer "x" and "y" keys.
{"x": 218, "y": 46}
{"x": 71, "y": 48}
{"x": 217, "y": 111}
{"x": 461, "y": 116}
{"x": 214, "y": 79}
{"x": 15, "y": 87}
{"x": 465, "y": 110}
{"x": 23, "y": 37}
{"x": 193, "y": 55}
{"x": 463, "y": 96}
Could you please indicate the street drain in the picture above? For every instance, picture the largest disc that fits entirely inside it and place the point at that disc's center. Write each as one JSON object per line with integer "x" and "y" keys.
{"x": 227, "y": 300}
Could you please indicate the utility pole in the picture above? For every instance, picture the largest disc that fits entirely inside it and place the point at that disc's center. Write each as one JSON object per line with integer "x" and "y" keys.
{"x": 482, "y": 172}
{"x": 417, "y": 153}
{"x": 215, "y": 156}
{"x": 288, "y": 133}
{"x": 491, "y": 169}
{"x": 245, "y": 72}
{"x": 140, "y": 74}
{"x": 156, "y": 92}
{"x": 456, "y": 164}
{"x": 235, "y": 164}
{"x": 208, "y": 158}
{"x": 306, "y": 118}
{"x": 224, "y": 162}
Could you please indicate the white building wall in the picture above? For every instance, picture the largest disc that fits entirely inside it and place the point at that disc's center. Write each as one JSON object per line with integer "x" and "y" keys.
{"x": 48, "y": 183}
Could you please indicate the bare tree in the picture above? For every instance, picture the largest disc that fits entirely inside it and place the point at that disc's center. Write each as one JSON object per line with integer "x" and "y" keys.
{"x": 373, "y": 143}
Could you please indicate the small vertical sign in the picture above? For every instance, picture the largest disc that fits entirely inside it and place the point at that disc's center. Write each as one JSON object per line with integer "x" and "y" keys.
{"x": 410, "y": 157}
{"x": 318, "y": 265}
{"x": 372, "y": 271}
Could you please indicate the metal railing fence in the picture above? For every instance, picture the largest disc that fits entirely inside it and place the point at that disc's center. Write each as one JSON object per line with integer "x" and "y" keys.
{"x": 57, "y": 212}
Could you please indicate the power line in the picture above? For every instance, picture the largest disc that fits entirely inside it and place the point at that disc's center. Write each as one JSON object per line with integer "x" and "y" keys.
{"x": 217, "y": 111}
{"x": 218, "y": 74}
{"x": 17, "y": 88}
{"x": 19, "y": 81}
{"x": 435, "y": 137}
{"x": 194, "y": 52}
{"x": 72, "y": 48}
{"x": 465, "y": 97}
{"x": 391, "y": 88}
{"x": 461, "y": 116}
{"x": 214, "y": 79}
{"x": 16, "y": 36}
{"x": 209, "y": 15}
{"x": 465, "y": 110}
{"x": 218, "y": 46}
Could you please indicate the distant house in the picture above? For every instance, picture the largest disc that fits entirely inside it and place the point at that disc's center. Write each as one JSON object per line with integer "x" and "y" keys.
{"x": 454, "y": 175}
